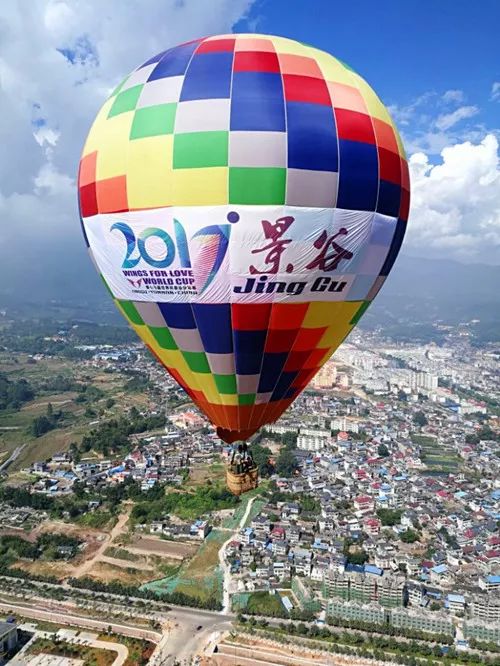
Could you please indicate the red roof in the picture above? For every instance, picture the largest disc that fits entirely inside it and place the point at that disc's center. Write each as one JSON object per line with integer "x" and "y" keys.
{"x": 363, "y": 499}
{"x": 492, "y": 554}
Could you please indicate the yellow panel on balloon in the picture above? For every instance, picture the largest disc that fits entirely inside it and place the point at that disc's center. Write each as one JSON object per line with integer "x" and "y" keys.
{"x": 206, "y": 384}
{"x": 112, "y": 153}
{"x": 97, "y": 135}
{"x": 331, "y": 68}
{"x": 200, "y": 186}
{"x": 321, "y": 313}
{"x": 284, "y": 45}
{"x": 149, "y": 172}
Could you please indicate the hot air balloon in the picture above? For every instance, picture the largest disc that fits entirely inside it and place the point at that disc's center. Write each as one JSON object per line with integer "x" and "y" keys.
{"x": 244, "y": 198}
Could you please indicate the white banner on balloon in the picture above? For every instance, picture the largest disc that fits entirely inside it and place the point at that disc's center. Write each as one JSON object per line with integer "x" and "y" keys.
{"x": 242, "y": 254}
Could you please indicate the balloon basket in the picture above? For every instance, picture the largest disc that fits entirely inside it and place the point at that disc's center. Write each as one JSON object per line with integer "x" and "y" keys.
{"x": 242, "y": 482}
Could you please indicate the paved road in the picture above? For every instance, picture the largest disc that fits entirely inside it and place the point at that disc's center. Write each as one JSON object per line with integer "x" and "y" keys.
{"x": 79, "y": 621}
{"x": 226, "y": 569}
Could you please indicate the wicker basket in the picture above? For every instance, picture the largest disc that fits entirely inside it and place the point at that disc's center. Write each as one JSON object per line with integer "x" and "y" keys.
{"x": 242, "y": 483}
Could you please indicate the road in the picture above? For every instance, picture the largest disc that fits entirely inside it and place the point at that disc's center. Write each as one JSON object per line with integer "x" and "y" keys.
{"x": 80, "y": 621}
{"x": 86, "y": 566}
{"x": 226, "y": 569}
{"x": 15, "y": 454}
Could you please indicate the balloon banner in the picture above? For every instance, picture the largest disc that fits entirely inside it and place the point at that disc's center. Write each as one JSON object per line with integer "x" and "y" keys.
{"x": 241, "y": 255}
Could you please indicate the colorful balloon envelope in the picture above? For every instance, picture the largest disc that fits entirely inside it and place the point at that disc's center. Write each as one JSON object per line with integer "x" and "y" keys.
{"x": 244, "y": 198}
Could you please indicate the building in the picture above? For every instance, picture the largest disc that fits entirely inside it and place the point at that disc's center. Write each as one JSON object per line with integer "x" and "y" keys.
{"x": 305, "y": 595}
{"x": 336, "y": 584}
{"x": 482, "y": 631}
{"x": 430, "y": 622}
{"x": 485, "y": 607}
{"x": 356, "y": 612}
{"x": 310, "y": 439}
{"x": 8, "y": 638}
{"x": 326, "y": 377}
{"x": 391, "y": 591}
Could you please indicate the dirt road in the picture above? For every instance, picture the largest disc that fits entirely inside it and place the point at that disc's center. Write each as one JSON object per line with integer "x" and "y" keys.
{"x": 85, "y": 567}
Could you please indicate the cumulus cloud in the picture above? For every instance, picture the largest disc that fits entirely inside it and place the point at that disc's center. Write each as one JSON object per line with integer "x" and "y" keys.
{"x": 58, "y": 62}
{"x": 455, "y": 209}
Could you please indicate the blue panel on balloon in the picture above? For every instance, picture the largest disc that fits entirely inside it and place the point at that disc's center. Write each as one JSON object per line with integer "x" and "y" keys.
{"x": 257, "y": 102}
{"x": 248, "y": 351}
{"x": 265, "y": 115}
{"x": 214, "y": 326}
{"x": 263, "y": 85}
{"x": 178, "y": 315}
{"x": 358, "y": 176}
{"x": 155, "y": 58}
{"x": 312, "y": 137}
{"x": 389, "y": 197}
{"x": 283, "y": 386}
{"x": 174, "y": 62}
{"x": 394, "y": 249}
{"x": 208, "y": 77}
{"x": 272, "y": 366}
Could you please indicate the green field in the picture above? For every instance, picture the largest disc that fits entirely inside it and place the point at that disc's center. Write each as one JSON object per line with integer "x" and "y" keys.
{"x": 15, "y": 425}
{"x": 438, "y": 458}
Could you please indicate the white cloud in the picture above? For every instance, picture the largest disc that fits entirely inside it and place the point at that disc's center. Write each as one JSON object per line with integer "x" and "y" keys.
{"x": 453, "y": 97}
{"x": 455, "y": 210}
{"x": 495, "y": 91}
{"x": 58, "y": 62}
{"x": 447, "y": 120}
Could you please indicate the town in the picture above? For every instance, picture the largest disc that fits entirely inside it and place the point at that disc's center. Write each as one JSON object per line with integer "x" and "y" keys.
{"x": 378, "y": 506}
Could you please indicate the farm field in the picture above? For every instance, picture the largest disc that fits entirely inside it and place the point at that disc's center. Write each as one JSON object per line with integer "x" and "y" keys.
{"x": 169, "y": 549}
{"x": 438, "y": 458}
{"x": 76, "y": 419}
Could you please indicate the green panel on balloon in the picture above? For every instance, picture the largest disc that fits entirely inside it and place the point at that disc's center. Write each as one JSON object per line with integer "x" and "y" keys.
{"x": 200, "y": 149}
{"x": 257, "y": 185}
{"x": 131, "y": 312}
{"x": 197, "y": 361}
{"x": 125, "y": 101}
{"x": 153, "y": 121}
{"x": 163, "y": 337}
{"x": 226, "y": 383}
{"x": 363, "y": 308}
{"x": 246, "y": 399}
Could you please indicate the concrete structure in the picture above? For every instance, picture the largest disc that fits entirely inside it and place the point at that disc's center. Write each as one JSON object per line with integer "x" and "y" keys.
{"x": 433, "y": 623}
{"x": 357, "y": 612}
{"x": 8, "y": 638}
{"x": 482, "y": 631}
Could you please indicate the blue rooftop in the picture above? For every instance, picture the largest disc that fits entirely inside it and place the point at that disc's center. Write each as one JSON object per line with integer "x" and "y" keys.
{"x": 495, "y": 580}
{"x": 456, "y": 598}
{"x": 440, "y": 568}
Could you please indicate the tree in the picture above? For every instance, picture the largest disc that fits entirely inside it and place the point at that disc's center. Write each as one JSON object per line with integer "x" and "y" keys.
{"x": 420, "y": 419}
{"x": 383, "y": 451}
{"x": 261, "y": 456}
{"x": 410, "y": 536}
{"x": 286, "y": 464}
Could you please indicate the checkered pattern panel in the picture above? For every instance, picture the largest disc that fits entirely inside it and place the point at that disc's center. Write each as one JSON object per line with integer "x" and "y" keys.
{"x": 244, "y": 119}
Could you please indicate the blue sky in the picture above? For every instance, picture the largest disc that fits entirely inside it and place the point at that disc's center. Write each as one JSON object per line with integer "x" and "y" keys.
{"x": 435, "y": 64}
{"x": 403, "y": 48}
